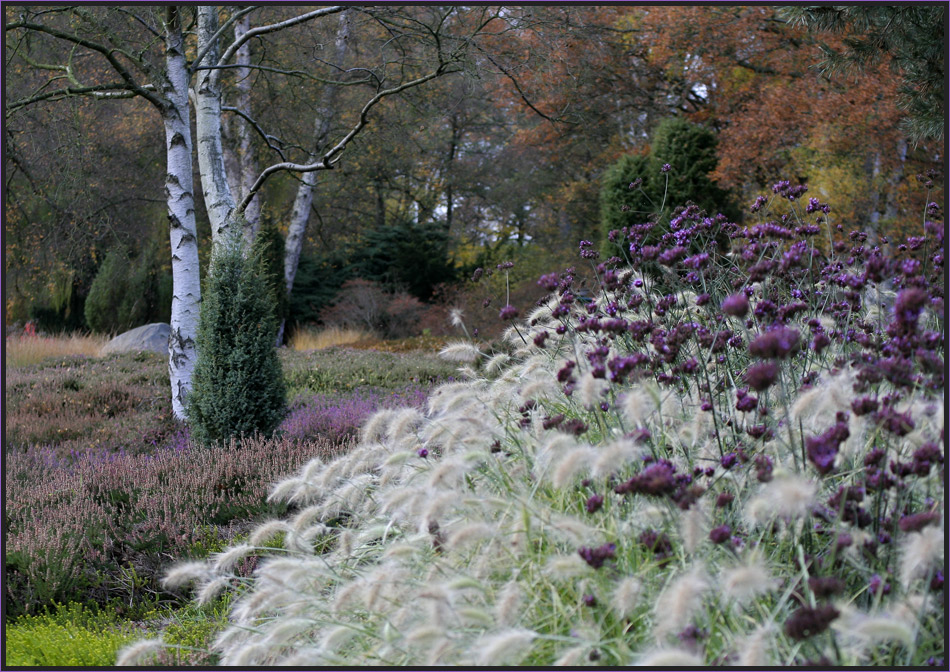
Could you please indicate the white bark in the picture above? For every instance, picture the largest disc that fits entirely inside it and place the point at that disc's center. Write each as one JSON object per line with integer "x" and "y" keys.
{"x": 179, "y": 186}
{"x": 300, "y": 214}
{"x": 247, "y": 157}
{"x": 219, "y": 201}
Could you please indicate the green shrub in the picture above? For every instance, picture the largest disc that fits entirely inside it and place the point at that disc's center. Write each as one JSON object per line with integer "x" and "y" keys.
{"x": 107, "y": 292}
{"x": 406, "y": 255}
{"x": 269, "y": 244}
{"x": 128, "y": 292}
{"x": 70, "y": 636}
{"x": 690, "y": 151}
{"x": 238, "y": 386}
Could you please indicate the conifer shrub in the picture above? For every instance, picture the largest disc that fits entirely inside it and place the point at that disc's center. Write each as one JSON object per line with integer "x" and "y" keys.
{"x": 642, "y": 188}
{"x": 238, "y": 385}
{"x": 269, "y": 245}
{"x": 129, "y": 291}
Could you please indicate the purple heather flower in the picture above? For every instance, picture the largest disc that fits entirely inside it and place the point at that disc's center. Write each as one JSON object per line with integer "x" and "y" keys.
{"x": 658, "y": 542}
{"x": 864, "y": 405}
{"x": 736, "y": 305}
{"x": 823, "y": 449}
{"x": 724, "y": 499}
{"x": 636, "y": 183}
{"x": 900, "y": 424}
{"x": 589, "y": 600}
{"x": 728, "y": 461}
{"x": 423, "y": 453}
{"x": 549, "y": 281}
{"x": 665, "y": 168}
{"x": 508, "y": 313}
{"x": 552, "y": 421}
{"x": 720, "y": 534}
{"x": 908, "y": 305}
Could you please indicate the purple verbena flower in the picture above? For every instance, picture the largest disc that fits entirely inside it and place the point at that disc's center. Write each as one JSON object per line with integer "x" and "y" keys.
{"x": 736, "y": 305}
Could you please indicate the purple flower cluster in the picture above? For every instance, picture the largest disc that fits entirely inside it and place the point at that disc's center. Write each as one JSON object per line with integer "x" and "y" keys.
{"x": 823, "y": 449}
{"x": 596, "y": 557}
{"x": 337, "y": 418}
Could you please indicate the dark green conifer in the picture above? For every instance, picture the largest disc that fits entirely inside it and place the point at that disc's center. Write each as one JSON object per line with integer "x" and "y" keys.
{"x": 237, "y": 385}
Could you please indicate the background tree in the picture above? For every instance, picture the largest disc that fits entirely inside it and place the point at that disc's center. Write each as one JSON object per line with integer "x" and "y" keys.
{"x": 638, "y": 188}
{"x": 911, "y": 37}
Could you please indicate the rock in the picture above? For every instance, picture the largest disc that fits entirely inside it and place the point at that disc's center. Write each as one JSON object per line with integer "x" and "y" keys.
{"x": 153, "y": 337}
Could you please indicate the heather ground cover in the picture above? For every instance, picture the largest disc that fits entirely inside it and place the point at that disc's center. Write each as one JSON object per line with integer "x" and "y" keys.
{"x": 104, "y": 489}
{"x": 720, "y": 458}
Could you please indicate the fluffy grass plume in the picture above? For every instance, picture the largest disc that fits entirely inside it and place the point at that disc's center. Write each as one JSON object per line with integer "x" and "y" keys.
{"x": 308, "y": 338}
{"x": 24, "y": 350}
{"x": 642, "y": 479}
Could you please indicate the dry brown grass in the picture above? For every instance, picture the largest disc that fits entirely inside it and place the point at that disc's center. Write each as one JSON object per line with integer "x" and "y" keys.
{"x": 26, "y": 350}
{"x": 313, "y": 339}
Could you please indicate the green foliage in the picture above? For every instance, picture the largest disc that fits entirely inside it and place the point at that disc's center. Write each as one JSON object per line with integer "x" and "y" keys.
{"x": 128, "y": 292}
{"x": 404, "y": 255}
{"x": 407, "y": 257}
{"x": 238, "y": 386}
{"x": 335, "y": 370}
{"x": 107, "y": 292}
{"x": 69, "y": 636}
{"x": 690, "y": 150}
{"x": 912, "y": 35}
{"x": 318, "y": 279}
{"x": 269, "y": 245}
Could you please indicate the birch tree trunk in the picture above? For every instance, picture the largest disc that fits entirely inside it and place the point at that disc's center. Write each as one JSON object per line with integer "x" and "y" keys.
{"x": 179, "y": 186}
{"x": 300, "y": 213}
{"x": 219, "y": 201}
{"x": 247, "y": 156}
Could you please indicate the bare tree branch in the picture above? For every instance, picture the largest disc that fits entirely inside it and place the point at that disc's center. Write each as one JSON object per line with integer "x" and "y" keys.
{"x": 102, "y": 91}
{"x": 331, "y": 157}
{"x": 108, "y": 53}
{"x": 267, "y": 138}
{"x": 227, "y": 24}
{"x": 262, "y": 30}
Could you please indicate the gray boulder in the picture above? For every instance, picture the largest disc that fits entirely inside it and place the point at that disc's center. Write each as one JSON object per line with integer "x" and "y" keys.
{"x": 152, "y": 337}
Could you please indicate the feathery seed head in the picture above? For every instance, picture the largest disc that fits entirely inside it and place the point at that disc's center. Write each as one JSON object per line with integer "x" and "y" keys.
{"x": 920, "y": 552}
{"x": 460, "y": 351}
{"x": 754, "y": 649}
{"x": 626, "y": 596}
{"x": 745, "y": 581}
{"x": 508, "y": 603}
{"x": 266, "y": 531}
{"x": 224, "y": 561}
{"x": 786, "y": 496}
{"x": 504, "y": 648}
{"x": 186, "y": 572}
{"x": 140, "y": 652}
{"x": 675, "y": 658}
{"x": 679, "y": 601}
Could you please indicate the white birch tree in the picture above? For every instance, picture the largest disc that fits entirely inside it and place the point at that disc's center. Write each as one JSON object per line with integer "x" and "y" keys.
{"x": 144, "y": 52}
